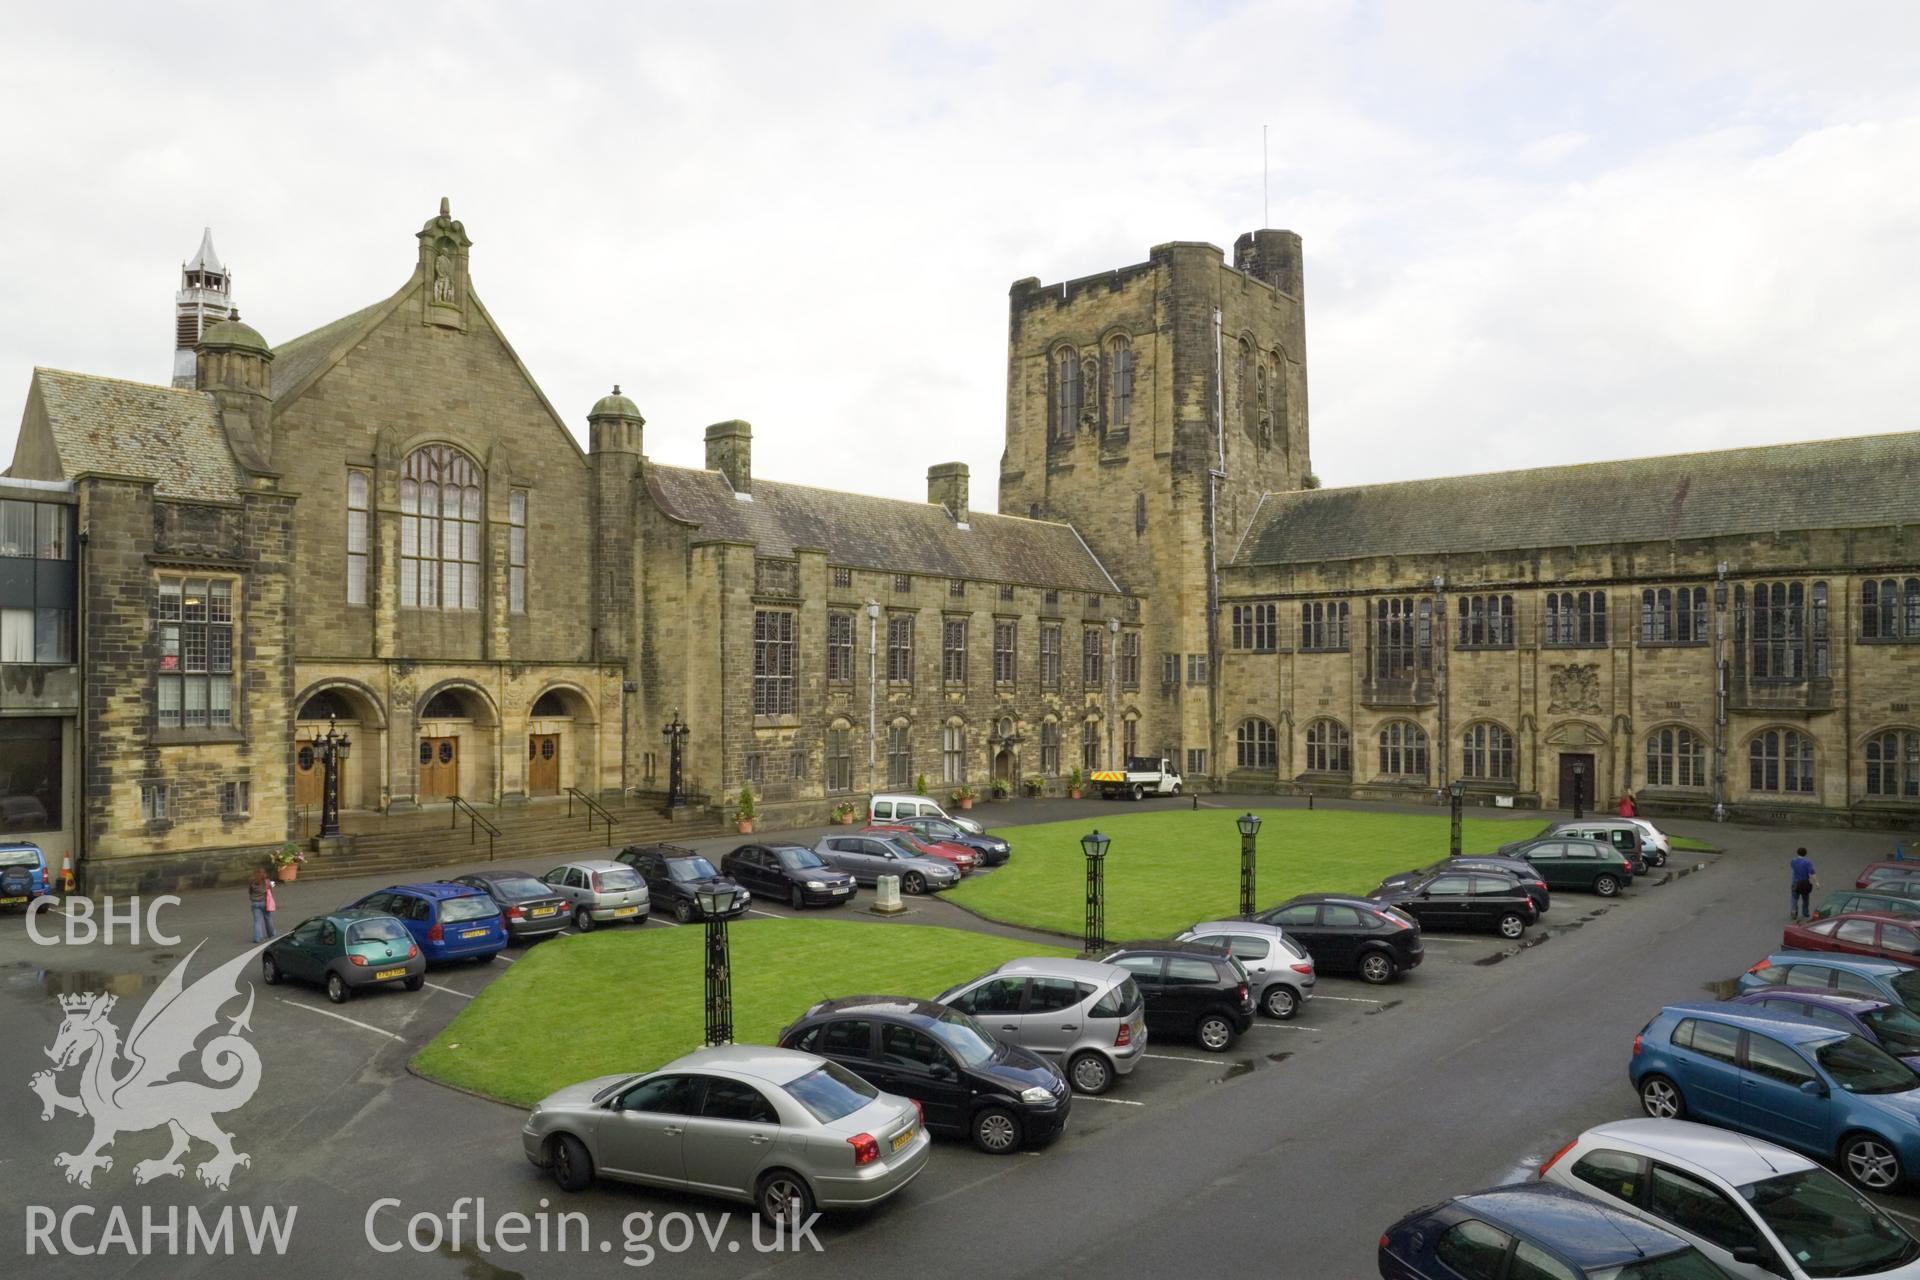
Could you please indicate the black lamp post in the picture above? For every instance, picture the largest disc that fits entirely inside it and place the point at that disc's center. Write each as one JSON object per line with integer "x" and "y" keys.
{"x": 331, "y": 751}
{"x": 1457, "y": 793}
{"x": 1579, "y": 791}
{"x": 676, "y": 735}
{"x": 1094, "y": 845}
{"x": 715, "y": 904}
{"x": 1249, "y": 825}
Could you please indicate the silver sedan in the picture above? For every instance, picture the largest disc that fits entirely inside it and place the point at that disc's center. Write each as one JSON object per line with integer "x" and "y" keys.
{"x": 785, "y": 1131}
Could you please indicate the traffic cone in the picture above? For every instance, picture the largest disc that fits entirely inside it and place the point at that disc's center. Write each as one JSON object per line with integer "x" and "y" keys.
{"x": 66, "y": 871}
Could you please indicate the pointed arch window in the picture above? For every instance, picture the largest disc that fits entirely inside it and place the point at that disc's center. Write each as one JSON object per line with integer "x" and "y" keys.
{"x": 1893, "y": 765}
{"x": 1486, "y": 753}
{"x": 1403, "y": 750}
{"x": 1329, "y": 750}
{"x": 1254, "y": 745}
{"x": 1067, "y": 392}
{"x": 1780, "y": 760}
{"x": 1676, "y": 757}
{"x": 359, "y": 537}
{"x": 440, "y": 530}
{"x": 1119, "y": 383}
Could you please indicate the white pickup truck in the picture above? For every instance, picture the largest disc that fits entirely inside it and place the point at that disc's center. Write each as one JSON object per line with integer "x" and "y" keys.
{"x": 1143, "y": 776}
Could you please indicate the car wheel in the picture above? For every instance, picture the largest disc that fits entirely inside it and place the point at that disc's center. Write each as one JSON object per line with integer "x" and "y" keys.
{"x": 683, "y": 911}
{"x": 337, "y": 989}
{"x": 1376, "y": 967}
{"x": 1137, "y": 792}
{"x": 1090, "y": 1073}
{"x": 1176, "y": 789}
{"x": 1869, "y": 1161}
{"x": 1606, "y": 886}
{"x": 1661, "y": 1099}
{"x": 269, "y": 971}
{"x": 583, "y": 919}
{"x": 570, "y": 1164}
{"x": 1280, "y": 1002}
{"x": 913, "y": 882}
{"x": 414, "y": 984}
{"x": 996, "y": 1131}
{"x": 794, "y": 899}
{"x": 1215, "y": 1033}
{"x": 777, "y": 1195}
{"x": 1512, "y": 926}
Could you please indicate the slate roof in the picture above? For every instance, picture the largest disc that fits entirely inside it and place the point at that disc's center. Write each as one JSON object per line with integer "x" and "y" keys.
{"x": 884, "y": 534}
{"x": 1860, "y": 482}
{"x": 171, "y": 435}
{"x": 298, "y": 358}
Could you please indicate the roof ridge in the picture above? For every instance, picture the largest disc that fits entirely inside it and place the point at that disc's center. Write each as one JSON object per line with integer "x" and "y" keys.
{"x": 125, "y": 382}
{"x": 853, "y": 493}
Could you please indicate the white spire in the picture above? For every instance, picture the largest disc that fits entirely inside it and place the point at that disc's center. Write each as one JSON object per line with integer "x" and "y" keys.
{"x": 206, "y": 259}
{"x": 205, "y": 298}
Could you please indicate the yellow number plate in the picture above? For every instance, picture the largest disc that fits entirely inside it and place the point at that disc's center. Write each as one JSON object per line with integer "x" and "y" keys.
{"x": 385, "y": 975}
{"x": 903, "y": 1138}
{"x": 7, "y": 902}
{"x": 537, "y": 912}
{"x": 474, "y": 933}
{"x": 626, "y": 911}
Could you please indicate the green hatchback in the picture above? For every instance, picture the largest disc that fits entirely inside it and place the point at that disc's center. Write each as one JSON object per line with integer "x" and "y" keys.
{"x": 1577, "y": 864}
{"x": 345, "y": 952}
{"x": 1843, "y": 901}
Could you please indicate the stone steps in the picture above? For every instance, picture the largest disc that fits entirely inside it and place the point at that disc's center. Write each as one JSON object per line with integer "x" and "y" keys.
{"x": 418, "y": 845}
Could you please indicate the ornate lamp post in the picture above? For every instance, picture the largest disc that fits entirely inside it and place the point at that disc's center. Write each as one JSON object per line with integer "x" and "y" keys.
{"x": 1094, "y": 845}
{"x": 676, "y": 735}
{"x": 1579, "y": 791}
{"x": 1249, "y": 825}
{"x": 1457, "y": 793}
{"x": 331, "y": 751}
{"x": 715, "y": 904}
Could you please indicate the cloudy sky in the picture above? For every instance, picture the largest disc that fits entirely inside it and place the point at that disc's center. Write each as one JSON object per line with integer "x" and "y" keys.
{"x": 1535, "y": 233}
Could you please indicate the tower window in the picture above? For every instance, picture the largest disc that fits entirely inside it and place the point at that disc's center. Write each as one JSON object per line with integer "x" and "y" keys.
{"x": 1067, "y": 392}
{"x": 517, "y": 551}
{"x": 1120, "y": 383}
{"x": 358, "y": 538}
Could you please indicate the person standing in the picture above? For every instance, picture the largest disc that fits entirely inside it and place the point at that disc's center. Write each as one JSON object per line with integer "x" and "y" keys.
{"x": 260, "y": 899}
{"x": 1800, "y": 905}
{"x": 1627, "y": 809}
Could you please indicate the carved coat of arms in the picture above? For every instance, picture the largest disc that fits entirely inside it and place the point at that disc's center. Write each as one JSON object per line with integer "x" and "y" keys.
{"x": 1574, "y": 687}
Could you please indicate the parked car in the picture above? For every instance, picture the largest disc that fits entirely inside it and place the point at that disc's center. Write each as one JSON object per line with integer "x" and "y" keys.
{"x": 1534, "y": 1231}
{"x": 1887, "y": 937}
{"x": 1655, "y": 844}
{"x": 1085, "y": 1017}
{"x": 23, "y": 874}
{"x": 991, "y": 850}
{"x": 867, "y": 858}
{"x": 601, "y": 891}
{"x": 1490, "y": 900}
{"x": 1350, "y": 935}
{"x": 346, "y": 952}
{"x": 1191, "y": 991}
{"x": 1620, "y": 833}
{"x": 1281, "y": 971}
{"x": 1893, "y": 1027}
{"x": 893, "y": 807}
{"x": 786, "y": 1132}
{"x": 448, "y": 921}
{"x": 1759, "y": 1211}
{"x": 530, "y": 908}
{"x": 1519, "y": 868}
{"x": 967, "y": 1082}
{"x": 676, "y": 878}
{"x": 1582, "y": 865}
{"x": 792, "y": 872}
{"x": 1880, "y": 900}
{"x": 1849, "y": 975}
{"x": 1776, "y": 1076}
{"x": 1888, "y": 869}
{"x": 957, "y": 856}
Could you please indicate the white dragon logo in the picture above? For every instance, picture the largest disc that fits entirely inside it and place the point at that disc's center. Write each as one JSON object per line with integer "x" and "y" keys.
{"x": 131, "y": 1090}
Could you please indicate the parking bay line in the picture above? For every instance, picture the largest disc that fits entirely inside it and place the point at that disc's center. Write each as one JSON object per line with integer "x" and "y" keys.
{"x": 1349, "y": 999}
{"x": 449, "y": 990}
{"x": 1095, "y": 1097}
{"x": 1174, "y": 1057}
{"x": 328, "y": 1013}
{"x": 771, "y": 915}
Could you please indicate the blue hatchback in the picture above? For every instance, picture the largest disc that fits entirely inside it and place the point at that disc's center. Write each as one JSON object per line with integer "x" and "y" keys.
{"x": 1535, "y": 1229}
{"x": 449, "y": 921}
{"x": 1849, "y": 975}
{"x": 1826, "y": 1092}
{"x": 23, "y": 874}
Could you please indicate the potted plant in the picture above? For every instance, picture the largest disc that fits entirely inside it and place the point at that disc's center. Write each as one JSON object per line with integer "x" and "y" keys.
{"x": 920, "y": 785}
{"x": 1073, "y": 785}
{"x": 744, "y": 812}
{"x": 286, "y": 861}
{"x": 963, "y": 796}
{"x": 843, "y": 813}
{"x": 1034, "y": 787}
{"x": 1001, "y": 788}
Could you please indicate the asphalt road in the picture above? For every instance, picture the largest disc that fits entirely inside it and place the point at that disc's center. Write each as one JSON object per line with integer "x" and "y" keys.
{"x": 1287, "y": 1154}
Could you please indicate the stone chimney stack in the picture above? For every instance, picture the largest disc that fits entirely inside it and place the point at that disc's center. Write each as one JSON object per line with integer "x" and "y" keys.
{"x": 730, "y": 452}
{"x": 947, "y": 486}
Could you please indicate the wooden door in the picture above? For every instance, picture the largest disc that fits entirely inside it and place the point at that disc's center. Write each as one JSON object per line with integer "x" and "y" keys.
{"x": 309, "y": 779}
{"x": 1576, "y": 773}
{"x": 543, "y": 764}
{"x": 439, "y": 768}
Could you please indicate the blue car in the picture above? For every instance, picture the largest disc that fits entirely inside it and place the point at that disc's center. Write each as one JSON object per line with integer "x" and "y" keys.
{"x": 23, "y": 874}
{"x": 449, "y": 921}
{"x": 1849, "y": 975}
{"x": 1535, "y": 1229}
{"x": 1893, "y": 1027}
{"x": 1826, "y": 1092}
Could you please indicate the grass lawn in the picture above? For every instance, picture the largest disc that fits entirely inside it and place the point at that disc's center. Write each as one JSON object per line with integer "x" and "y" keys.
{"x": 1687, "y": 844}
{"x": 630, "y": 999}
{"x": 1169, "y": 868}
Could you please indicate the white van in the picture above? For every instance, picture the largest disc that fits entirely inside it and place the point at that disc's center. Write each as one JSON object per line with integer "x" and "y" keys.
{"x": 892, "y": 808}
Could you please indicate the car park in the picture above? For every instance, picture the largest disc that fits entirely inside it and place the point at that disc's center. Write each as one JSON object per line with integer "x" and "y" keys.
{"x": 1085, "y": 1017}
{"x": 867, "y": 858}
{"x": 448, "y": 921}
{"x": 787, "y": 1132}
{"x": 1823, "y": 1092}
{"x": 529, "y": 908}
{"x": 1519, "y": 868}
{"x": 346, "y": 952}
{"x": 791, "y": 873}
{"x": 1887, "y": 869}
{"x": 1879, "y": 901}
{"x": 1534, "y": 1231}
{"x": 957, "y": 856}
{"x": 1585, "y": 866}
{"x": 1347, "y": 934}
{"x": 23, "y": 874}
{"x": 1755, "y": 1209}
{"x": 676, "y": 878}
{"x": 968, "y": 1082}
{"x": 991, "y": 850}
{"x": 1885, "y": 937}
{"x": 1476, "y": 900}
{"x": 1893, "y": 1027}
{"x": 1281, "y": 971}
{"x": 1850, "y": 975}
{"x": 893, "y": 807}
{"x": 600, "y": 891}
{"x": 1191, "y": 991}
{"x": 1621, "y": 833}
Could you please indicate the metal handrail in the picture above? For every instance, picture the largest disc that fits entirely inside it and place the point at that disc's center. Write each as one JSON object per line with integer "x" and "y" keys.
{"x": 475, "y": 825}
{"x": 594, "y": 810}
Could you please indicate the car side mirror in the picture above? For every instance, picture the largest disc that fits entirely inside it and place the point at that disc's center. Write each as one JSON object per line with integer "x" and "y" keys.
{"x": 1814, "y": 1088}
{"x": 1752, "y": 1255}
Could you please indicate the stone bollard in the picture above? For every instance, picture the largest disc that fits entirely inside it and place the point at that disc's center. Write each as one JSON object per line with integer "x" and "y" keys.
{"x": 886, "y": 896}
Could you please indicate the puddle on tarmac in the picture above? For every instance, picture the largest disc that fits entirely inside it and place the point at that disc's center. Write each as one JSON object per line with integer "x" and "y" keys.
{"x": 1278, "y": 1057}
{"x": 1238, "y": 1069}
{"x": 66, "y": 982}
{"x": 1382, "y": 1008}
{"x": 478, "y": 1268}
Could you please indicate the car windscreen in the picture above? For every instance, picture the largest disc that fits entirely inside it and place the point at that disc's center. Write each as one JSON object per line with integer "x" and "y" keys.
{"x": 19, "y": 857}
{"x": 1898, "y": 1028}
{"x": 519, "y": 889}
{"x": 377, "y": 931}
{"x": 616, "y": 879}
{"x": 474, "y": 907}
{"x": 970, "y": 1042}
{"x": 691, "y": 869}
{"x": 1829, "y": 1228}
{"x": 1906, "y": 985}
{"x": 798, "y": 859}
{"x": 1688, "y": 1264}
{"x": 830, "y": 1091}
{"x": 1859, "y": 1067}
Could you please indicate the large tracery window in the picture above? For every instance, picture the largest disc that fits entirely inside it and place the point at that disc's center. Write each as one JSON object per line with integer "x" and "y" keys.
{"x": 440, "y": 530}
{"x": 1780, "y": 760}
{"x": 1893, "y": 765}
{"x": 1676, "y": 757}
{"x": 1486, "y": 753}
{"x": 1403, "y": 750}
{"x": 1254, "y": 745}
{"x": 1329, "y": 750}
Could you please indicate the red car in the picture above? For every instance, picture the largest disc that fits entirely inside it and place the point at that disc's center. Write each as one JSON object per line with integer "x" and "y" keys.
{"x": 1888, "y": 869}
{"x": 1859, "y": 933}
{"x": 959, "y": 855}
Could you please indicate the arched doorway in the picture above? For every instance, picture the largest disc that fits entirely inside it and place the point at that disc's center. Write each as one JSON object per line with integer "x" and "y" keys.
{"x": 352, "y": 710}
{"x": 453, "y": 751}
{"x": 1003, "y": 766}
{"x": 562, "y": 743}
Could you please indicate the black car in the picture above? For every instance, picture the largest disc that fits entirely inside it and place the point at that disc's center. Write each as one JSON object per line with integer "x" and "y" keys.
{"x": 675, "y": 875}
{"x": 790, "y": 871}
{"x": 992, "y": 851}
{"x": 1519, "y": 868}
{"x": 530, "y": 907}
{"x": 1581, "y": 865}
{"x": 1191, "y": 990}
{"x": 1350, "y": 935}
{"x": 1490, "y": 900}
{"x": 967, "y": 1082}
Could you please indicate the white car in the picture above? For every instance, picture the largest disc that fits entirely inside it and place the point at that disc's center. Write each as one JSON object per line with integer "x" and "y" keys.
{"x": 1654, "y": 842}
{"x": 1758, "y": 1211}
{"x": 898, "y": 808}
